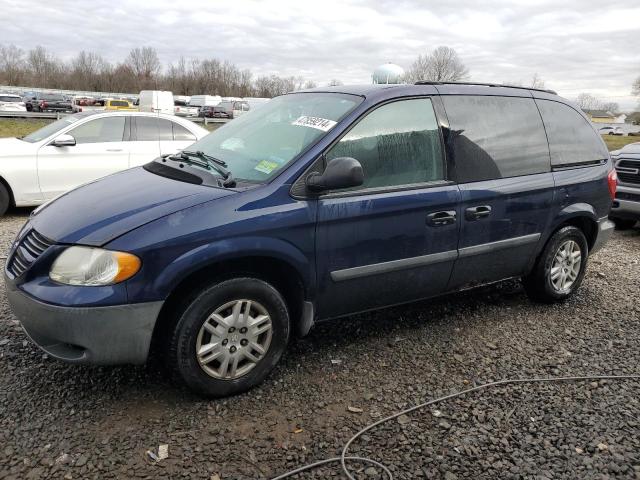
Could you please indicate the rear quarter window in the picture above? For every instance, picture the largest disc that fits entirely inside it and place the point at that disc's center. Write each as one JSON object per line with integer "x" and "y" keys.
{"x": 493, "y": 137}
{"x": 572, "y": 140}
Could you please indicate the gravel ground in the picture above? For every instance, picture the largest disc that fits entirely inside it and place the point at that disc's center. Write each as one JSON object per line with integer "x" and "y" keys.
{"x": 61, "y": 421}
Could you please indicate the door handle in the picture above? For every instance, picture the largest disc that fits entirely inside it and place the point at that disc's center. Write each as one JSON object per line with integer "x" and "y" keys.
{"x": 476, "y": 213}
{"x": 114, "y": 149}
{"x": 439, "y": 219}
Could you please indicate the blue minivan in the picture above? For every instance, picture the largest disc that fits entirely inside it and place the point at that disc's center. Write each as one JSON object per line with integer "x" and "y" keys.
{"x": 320, "y": 204}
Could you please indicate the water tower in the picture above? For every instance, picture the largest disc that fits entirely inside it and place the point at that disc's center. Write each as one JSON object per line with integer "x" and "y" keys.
{"x": 388, "y": 73}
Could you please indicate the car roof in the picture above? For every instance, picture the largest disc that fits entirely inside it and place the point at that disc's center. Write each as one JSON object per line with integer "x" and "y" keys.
{"x": 366, "y": 90}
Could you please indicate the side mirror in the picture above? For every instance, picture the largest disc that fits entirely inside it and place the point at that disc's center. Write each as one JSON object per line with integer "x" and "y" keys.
{"x": 341, "y": 172}
{"x": 64, "y": 140}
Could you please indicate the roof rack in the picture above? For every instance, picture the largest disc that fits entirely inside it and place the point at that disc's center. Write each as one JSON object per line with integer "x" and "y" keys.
{"x": 426, "y": 82}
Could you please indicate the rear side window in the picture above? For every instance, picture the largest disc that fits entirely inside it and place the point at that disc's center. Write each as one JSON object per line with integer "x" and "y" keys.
{"x": 153, "y": 129}
{"x": 571, "y": 138}
{"x": 181, "y": 133}
{"x": 397, "y": 144}
{"x": 495, "y": 137}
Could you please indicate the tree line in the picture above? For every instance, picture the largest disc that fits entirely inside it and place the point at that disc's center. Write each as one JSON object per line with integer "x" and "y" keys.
{"x": 140, "y": 70}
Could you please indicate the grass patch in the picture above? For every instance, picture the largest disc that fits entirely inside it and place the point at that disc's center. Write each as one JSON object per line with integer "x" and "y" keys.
{"x": 18, "y": 127}
{"x": 614, "y": 142}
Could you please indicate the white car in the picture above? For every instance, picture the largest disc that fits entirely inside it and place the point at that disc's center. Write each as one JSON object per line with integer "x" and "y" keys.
{"x": 611, "y": 131}
{"x": 11, "y": 103}
{"x": 83, "y": 147}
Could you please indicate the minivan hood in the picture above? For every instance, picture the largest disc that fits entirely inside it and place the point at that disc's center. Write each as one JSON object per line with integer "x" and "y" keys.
{"x": 100, "y": 211}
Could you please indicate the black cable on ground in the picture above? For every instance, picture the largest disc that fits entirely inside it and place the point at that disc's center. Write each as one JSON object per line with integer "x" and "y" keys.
{"x": 343, "y": 459}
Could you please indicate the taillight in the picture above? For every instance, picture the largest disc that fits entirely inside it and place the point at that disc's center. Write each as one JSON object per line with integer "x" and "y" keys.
{"x": 43, "y": 103}
{"x": 612, "y": 180}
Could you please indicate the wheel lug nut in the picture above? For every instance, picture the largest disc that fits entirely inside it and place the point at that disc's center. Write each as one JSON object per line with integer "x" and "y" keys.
{"x": 244, "y": 342}
{"x": 233, "y": 349}
{"x": 232, "y": 329}
{"x": 243, "y": 330}
{"x": 225, "y": 341}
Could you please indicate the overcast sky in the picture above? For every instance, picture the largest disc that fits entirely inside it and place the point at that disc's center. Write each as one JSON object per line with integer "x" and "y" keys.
{"x": 575, "y": 46}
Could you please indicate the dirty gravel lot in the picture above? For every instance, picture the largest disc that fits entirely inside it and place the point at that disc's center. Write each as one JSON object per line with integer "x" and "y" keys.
{"x": 72, "y": 422}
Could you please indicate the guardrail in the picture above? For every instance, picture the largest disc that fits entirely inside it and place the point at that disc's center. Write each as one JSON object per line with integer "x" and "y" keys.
{"x": 55, "y": 115}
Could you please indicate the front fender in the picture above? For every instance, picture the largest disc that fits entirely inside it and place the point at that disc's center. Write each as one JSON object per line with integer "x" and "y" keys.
{"x": 229, "y": 249}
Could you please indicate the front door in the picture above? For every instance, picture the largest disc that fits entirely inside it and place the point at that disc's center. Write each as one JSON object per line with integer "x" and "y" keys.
{"x": 100, "y": 150}
{"x": 393, "y": 239}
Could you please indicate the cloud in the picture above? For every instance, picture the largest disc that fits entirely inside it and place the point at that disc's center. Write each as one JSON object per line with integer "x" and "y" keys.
{"x": 575, "y": 46}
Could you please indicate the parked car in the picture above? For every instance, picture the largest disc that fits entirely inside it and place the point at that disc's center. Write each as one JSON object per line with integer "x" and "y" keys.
{"x": 113, "y": 104}
{"x": 182, "y": 109}
{"x": 156, "y": 101}
{"x": 11, "y": 103}
{"x": 235, "y": 108}
{"x": 213, "y": 112}
{"x": 626, "y": 206}
{"x": 48, "y": 102}
{"x": 82, "y": 147}
{"x": 317, "y": 205}
{"x": 200, "y": 101}
{"x": 611, "y": 131}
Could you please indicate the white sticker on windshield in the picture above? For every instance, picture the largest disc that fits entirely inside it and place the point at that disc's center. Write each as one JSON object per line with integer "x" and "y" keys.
{"x": 323, "y": 124}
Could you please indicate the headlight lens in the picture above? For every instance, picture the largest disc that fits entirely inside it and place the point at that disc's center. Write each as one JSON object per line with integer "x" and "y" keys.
{"x": 93, "y": 266}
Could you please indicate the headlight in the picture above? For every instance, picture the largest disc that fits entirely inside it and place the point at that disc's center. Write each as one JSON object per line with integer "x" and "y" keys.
{"x": 93, "y": 266}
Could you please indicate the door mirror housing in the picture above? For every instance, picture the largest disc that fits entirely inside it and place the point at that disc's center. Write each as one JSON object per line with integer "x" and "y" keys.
{"x": 64, "y": 140}
{"x": 341, "y": 172}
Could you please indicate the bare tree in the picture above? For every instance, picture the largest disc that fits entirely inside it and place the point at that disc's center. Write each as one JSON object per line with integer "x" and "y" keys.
{"x": 145, "y": 65}
{"x": 441, "y": 65}
{"x": 310, "y": 84}
{"x": 44, "y": 68}
{"x": 612, "y": 107}
{"x": 537, "y": 81}
{"x": 335, "y": 82}
{"x": 11, "y": 64}
{"x": 586, "y": 101}
{"x": 635, "y": 88}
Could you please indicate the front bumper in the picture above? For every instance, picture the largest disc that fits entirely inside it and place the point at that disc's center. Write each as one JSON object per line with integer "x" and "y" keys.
{"x": 110, "y": 335}
{"x": 605, "y": 229}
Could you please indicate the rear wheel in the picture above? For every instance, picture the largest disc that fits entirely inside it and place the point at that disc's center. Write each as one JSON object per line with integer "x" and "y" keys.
{"x": 559, "y": 270}
{"x": 230, "y": 336}
{"x": 5, "y": 199}
{"x": 623, "y": 223}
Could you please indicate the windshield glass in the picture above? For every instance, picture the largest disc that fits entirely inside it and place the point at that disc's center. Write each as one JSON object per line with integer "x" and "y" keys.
{"x": 52, "y": 128}
{"x": 262, "y": 142}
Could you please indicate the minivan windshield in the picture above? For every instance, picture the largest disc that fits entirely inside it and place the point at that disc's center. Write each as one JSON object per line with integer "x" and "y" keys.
{"x": 262, "y": 142}
{"x": 52, "y": 128}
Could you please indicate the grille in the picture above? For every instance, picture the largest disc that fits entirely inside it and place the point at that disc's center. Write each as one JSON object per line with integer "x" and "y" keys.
{"x": 29, "y": 248}
{"x": 628, "y": 171}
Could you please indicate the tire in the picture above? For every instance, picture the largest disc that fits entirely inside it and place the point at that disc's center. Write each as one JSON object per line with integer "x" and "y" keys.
{"x": 539, "y": 284}
{"x": 623, "y": 223}
{"x": 190, "y": 333}
{"x": 5, "y": 199}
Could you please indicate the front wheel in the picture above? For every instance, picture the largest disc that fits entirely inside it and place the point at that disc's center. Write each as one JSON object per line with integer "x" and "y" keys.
{"x": 230, "y": 336}
{"x": 559, "y": 270}
{"x": 5, "y": 199}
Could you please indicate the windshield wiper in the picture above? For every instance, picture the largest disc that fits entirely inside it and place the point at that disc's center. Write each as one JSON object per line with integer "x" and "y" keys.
{"x": 209, "y": 162}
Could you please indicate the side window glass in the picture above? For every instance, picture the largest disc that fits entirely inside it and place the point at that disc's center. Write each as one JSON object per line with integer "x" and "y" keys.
{"x": 100, "y": 130}
{"x": 495, "y": 137}
{"x": 146, "y": 129}
{"x": 165, "y": 129}
{"x": 397, "y": 144}
{"x": 181, "y": 133}
{"x": 571, "y": 138}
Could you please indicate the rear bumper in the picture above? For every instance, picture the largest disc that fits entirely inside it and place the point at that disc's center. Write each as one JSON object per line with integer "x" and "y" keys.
{"x": 605, "y": 229}
{"x": 110, "y": 335}
{"x": 623, "y": 207}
